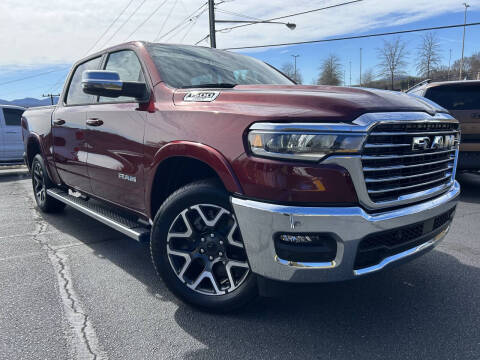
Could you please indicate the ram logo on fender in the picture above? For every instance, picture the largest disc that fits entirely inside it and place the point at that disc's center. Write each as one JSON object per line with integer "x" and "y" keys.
{"x": 127, "y": 177}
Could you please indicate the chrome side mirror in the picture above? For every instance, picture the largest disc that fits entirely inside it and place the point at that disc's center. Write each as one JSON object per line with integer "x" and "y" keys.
{"x": 107, "y": 83}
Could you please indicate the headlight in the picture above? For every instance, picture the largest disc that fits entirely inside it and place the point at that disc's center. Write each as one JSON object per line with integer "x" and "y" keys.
{"x": 302, "y": 146}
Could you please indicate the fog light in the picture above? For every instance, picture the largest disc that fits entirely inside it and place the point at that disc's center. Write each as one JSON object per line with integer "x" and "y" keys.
{"x": 297, "y": 239}
{"x": 317, "y": 247}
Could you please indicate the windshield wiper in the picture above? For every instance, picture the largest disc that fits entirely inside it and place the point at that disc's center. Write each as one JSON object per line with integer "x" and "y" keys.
{"x": 219, "y": 85}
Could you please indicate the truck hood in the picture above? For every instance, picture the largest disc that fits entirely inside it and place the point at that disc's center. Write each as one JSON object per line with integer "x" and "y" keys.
{"x": 310, "y": 103}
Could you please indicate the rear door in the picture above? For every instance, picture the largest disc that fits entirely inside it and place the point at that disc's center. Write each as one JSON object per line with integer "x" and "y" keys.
{"x": 69, "y": 126}
{"x": 12, "y": 134}
{"x": 115, "y": 139}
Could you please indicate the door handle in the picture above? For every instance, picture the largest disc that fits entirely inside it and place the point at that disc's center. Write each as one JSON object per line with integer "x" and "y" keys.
{"x": 59, "y": 122}
{"x": 94, "y": 122}
{"x": 11, "y": 132}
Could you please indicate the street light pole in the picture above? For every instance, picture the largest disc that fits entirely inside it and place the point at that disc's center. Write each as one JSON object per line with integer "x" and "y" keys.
{"x": 212, "y": 21}
{"x": 295, "y": 66}
{"x": 211, "y": 17}
{"x": 463, "y": 42}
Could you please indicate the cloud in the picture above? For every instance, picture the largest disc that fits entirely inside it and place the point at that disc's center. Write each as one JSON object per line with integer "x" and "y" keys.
{"x": 61, "y": 31}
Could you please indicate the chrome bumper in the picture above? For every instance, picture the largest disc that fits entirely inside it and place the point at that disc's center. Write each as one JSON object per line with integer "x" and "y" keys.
{"x": 259, "y": 222}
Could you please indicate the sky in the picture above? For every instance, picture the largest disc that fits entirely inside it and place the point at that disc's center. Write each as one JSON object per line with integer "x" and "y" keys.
{"x": 46, "y": 37}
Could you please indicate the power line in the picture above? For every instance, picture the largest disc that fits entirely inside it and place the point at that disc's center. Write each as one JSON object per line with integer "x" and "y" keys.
{"x": 110, "y": 26}
{"x": 355, "y": 37}
{"x": 148, "y": 18}
{"x": 166, "y": 19}
{"x": 296, "y": 14}
{"x": 189, "y": 17}
{"x": 192, "y": 20}
{"x": 98, "y": 40}
{"x": 124, "y": 23}
{"x": 193, "y": 24}
{"x": 91, "y": 48}
{"x": 204, "y": 38}
{"x": 237, "y": 14}
{"x": 182, "y": 23}
{"x": 31, "y": 76}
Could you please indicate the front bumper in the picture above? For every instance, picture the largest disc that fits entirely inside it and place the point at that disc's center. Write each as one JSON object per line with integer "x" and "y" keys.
{"x": 259, "y": 222}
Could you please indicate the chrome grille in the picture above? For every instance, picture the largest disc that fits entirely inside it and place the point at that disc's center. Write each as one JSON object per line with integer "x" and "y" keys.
{"x": 392, "y": 169}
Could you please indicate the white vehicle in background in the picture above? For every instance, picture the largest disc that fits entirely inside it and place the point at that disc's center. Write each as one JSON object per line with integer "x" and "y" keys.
{"x": 11, "y": 143}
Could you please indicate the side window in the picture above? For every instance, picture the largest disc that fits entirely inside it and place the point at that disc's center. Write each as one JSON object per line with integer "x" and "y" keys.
{"x": 127, "y": 65}
{"x": 75, "y": 94}
{"x": 13, "y": 117}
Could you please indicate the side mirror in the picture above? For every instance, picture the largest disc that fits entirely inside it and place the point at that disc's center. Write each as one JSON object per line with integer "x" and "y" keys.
{"x": 107, "y": 83}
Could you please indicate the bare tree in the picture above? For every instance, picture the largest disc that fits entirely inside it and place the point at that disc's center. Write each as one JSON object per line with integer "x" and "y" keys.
{"x": 330, "y": 71}
{"x": 471, "y": 66}
{"x": 289, "y": 70}
{"x": 428, "y": 55}
{"x": 368, "y": 77}
{"x": 392, "y": 59}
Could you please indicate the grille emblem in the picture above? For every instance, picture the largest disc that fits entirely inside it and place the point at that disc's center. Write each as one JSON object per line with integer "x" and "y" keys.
{"x": 439, "y": 142}
{"x": 420, "y": 143}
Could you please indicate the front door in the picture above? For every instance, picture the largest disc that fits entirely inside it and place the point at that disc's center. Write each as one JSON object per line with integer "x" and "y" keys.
{"x": 115, "y": 140}
{"x": 12, "y": 134}
{"x": 69, "y": 126}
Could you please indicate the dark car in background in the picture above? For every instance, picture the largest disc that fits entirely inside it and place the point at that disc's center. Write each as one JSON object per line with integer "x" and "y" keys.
{"x": 462, "y": 100}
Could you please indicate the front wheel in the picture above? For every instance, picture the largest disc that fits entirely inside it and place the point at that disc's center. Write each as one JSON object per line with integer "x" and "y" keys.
{"x": 197, "y": 249}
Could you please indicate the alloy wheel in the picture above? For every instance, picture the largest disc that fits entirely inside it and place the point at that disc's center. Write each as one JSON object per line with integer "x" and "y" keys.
{"x": 205, "y": 250}
{"x": 39, "y": 183}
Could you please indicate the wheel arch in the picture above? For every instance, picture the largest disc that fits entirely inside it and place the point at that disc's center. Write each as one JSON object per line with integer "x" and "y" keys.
{"x": 33, "y": 148}
{"x": 184, "y": 162}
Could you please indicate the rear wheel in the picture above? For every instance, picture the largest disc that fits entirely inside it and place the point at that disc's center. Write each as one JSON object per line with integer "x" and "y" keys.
{"x": 41, "y": 182}
{"x": 197, "y": 249}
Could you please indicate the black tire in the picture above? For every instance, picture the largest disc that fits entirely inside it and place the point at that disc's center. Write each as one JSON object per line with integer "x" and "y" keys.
{"x": 203, "y": 196}
{"x": 41, "y": 182}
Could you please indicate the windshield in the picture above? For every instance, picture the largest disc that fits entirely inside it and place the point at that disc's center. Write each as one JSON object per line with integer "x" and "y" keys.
{"x": 458, "y": 97}
{"x": 192, "y": 66}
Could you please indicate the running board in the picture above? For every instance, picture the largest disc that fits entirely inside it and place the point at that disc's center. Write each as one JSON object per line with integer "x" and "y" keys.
{"x": 126, "y": 224}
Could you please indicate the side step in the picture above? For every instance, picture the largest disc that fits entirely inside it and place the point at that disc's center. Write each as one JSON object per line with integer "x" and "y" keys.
{"x": 124, "y": 223}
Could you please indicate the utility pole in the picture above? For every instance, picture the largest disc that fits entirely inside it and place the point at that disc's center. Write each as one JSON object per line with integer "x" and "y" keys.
{"x": 295, "y": 67}
{"x": 51, "y": 96}
{"x": 360, "y": 67}
{"x": 211, "y": 17}
{"x": 449, "y": 62}
{"x": 463, "y": 42}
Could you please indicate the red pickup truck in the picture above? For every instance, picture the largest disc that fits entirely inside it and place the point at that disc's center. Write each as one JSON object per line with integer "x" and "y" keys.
{"x": 236, "y": 175}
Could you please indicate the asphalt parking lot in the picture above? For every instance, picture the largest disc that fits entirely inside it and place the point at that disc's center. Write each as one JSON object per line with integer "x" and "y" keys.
{"x": 72, "y": 288}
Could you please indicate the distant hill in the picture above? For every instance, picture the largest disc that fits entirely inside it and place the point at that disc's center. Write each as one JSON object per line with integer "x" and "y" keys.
{"x": 29, "y": 102}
